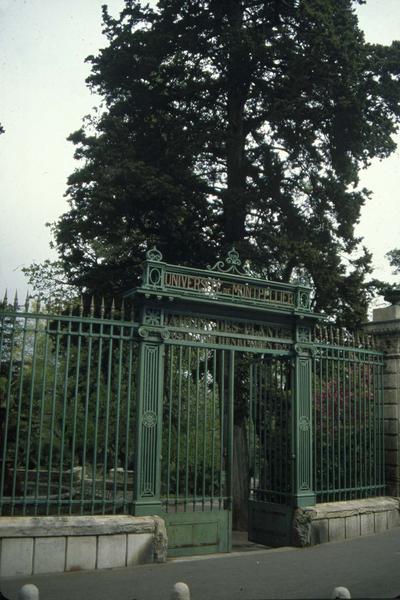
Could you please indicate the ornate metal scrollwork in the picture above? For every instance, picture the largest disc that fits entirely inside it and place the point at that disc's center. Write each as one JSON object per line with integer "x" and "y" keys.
{"x": 154, "y": 254}
{"x": 152, "y": 316}
{"x": 149, "y": 419}
{"x": 147, "y": 491}
{"x": 155, "y": 277}
{"x": 143, "y": 332}
{"x": 304, "y": 424}
{"x": 231, "y": 264}
{"x": 304, "y": 334}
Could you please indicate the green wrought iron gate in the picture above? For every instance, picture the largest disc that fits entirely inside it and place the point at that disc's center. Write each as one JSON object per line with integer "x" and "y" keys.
{"x": 110, "y": 411}
{"x": 270, "y": 448}
{"x": 197, "y": 448}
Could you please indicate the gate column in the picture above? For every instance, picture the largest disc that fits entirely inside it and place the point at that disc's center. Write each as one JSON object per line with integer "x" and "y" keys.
{"x": 149, "y": 412}
{"x": 386, "y": 329}
{"x": 302, "y": 486}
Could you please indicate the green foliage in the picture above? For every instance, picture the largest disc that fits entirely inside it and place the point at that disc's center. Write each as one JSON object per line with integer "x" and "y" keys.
{"x": 231, "y": 122}
{"x": 48, "y": 280}
{"x": 193, "y": 457}
{"x": 67, "y": 397}
{"x": 394, "y": 259}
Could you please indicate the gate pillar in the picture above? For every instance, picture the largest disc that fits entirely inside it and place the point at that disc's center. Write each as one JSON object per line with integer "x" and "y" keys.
{"x": 303, "y": 475}
{"x": 149, "y": 412}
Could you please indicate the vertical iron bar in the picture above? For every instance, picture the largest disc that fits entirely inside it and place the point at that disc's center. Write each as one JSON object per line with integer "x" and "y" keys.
{"x": 86, "y": 415}
{"x": 64, "y": 418}
{"x": 99, "y": 389}
{"x": 108, "y": 403}
{"x": 178, "y": 432}
{"x": 382, "y": 432}
{"x": 361, "y": 454}
{"x": 188, "y": 371}
{"x": 231, "y": 382}
{"x": 333, "y": 430}
{"x": 19, "y": 410}
{"x": 8, "y": 405}
{"x": 327, "y": 424}
{"x": 251, "y": 428}
{"x": 280, "y": 428}
{"x": 75, "y": 414}
{"x": 205, "y": 415}
{"x": 339, "y": 445}
{"x": 30, "y": 413}
{"x": 53, "y": 416}
{"x": 222, "y": 491}
{"x": 213, "y": 425}
{"x": 370, "y": 396}
{"x": 350, "y": 427}
{"x": 364, "y": 392}
{"x": 117, "y": 413}
{"x": 42, "y": 412}
{"x": 376, "y": 426}
{"x": 128, "y": 419}
{"x": 321, "y": 418}
{"x": 345, "y": 429}
{"x": 355, "y": 426}
{"x": 264, "y": 450}
{"x": 170, "y": 362}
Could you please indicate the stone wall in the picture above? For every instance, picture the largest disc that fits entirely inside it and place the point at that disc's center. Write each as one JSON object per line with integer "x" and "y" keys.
{"x": 32, "y": 545}
{"x": 337, "y": 521}
{"x": 386, "y": 329}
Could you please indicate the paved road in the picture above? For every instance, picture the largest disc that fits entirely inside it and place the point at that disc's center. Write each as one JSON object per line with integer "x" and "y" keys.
{"x": 369, "y": 567}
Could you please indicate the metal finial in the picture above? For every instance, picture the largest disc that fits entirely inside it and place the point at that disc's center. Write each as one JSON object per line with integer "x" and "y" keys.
{"x": 231, "y": 264}
{"x": 154, "y": 254}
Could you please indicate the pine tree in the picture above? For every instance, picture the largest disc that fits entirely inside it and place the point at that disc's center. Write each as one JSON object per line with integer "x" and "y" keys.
{"x": 239, "y": 122}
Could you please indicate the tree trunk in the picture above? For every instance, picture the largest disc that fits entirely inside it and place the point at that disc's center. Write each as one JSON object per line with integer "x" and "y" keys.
{"x": 237, "y": 91}
{"x": 240, "y": 477}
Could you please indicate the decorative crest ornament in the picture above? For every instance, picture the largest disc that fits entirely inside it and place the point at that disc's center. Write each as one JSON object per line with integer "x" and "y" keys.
{"x": 154, "y": 254}
{"x": 231, "y": 264}
{"x": 302, "y": 277}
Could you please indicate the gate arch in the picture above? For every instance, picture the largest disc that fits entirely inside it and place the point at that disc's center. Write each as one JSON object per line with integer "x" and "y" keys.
{"x": 193, "y": 325}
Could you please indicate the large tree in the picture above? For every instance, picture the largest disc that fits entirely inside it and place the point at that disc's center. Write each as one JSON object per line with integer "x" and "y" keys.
{"x": 227, "y": 122}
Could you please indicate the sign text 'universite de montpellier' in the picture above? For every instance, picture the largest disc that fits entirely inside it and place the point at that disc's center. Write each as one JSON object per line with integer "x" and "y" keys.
{"x": 214, "y": 286}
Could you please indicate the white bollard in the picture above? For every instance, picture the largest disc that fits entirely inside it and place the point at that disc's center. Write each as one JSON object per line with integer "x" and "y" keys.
{"x": 340, "y": 592}
{"x": 180, "y": 591}
{"x": 28, "y": 592}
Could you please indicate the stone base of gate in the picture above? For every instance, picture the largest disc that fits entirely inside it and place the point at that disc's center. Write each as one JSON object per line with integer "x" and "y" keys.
{"x": 32, "y": 545}
{"x": 336, "y": 521}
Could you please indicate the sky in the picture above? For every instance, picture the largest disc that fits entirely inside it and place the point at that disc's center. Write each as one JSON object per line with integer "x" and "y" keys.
{"x": 43, "y": 98}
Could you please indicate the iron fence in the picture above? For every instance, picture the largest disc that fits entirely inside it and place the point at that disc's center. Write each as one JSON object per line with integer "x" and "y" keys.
{"x": 67, "y": 408}
{"x": 348, "y": 417}
{"x": 195, "y": 432}
{"x": 67, "y": 401}
{"x": 270, "y": 425}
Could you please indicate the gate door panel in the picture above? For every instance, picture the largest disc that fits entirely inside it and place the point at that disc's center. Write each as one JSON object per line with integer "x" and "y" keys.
{"x": 196, "y": 449}
{"x": 270, "y": 450}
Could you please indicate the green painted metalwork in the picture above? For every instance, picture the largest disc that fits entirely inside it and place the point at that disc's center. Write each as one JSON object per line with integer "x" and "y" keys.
{"x": 348, "y": 417}
{"x": 67, "y": 401}
{"x": 224, "y": 284}
{"x": 270, "y": 430}
{"x": 103, "y": 413}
